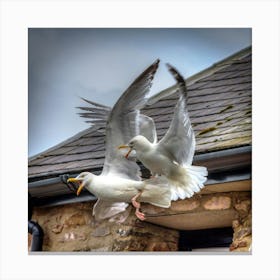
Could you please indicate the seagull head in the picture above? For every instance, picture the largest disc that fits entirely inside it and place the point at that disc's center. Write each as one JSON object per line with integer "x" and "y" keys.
{"x": 83, "y": 179}
{"x": 138, "y": 143}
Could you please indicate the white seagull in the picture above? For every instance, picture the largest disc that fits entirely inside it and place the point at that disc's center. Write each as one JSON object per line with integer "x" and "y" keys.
{"x": 172, "y": 156}
{"x": 120, "y": 181}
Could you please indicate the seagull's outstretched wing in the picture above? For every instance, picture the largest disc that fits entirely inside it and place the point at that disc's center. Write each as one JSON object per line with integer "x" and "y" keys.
{"x": 179, "y": 141}
{"x": 124, "y": 123}
{"x": 97, "y": 115}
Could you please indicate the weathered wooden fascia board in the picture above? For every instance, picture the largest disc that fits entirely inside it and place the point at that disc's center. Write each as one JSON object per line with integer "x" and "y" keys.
{"x": 235, "y": 186}
{"x": 196, "y": 221}
{"x": 202, "y": 211}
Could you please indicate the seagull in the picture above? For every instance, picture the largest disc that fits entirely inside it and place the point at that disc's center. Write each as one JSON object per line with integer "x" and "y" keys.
{"x": 119, "y": 182}
{"x": 172, "y": 156}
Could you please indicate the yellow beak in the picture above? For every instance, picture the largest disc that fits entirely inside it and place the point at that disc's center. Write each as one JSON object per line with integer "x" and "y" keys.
{"x": 125, "y": 147}
{"x": 81, "y": 184}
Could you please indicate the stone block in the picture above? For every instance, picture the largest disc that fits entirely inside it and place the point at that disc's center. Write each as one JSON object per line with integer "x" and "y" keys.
{"x": 185, "y": 205}
{"x": 77, "y": 219}
{"x": 57, "y": 228}
{"x": 217, "y": 203}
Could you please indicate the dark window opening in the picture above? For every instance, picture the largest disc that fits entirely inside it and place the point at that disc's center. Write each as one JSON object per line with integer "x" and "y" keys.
{"x": 205, "y": 238}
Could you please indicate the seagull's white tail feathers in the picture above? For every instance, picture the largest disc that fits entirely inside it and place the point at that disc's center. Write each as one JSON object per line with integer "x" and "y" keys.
{"x": 188, "y": 181}
{"x": 157, "y": 192}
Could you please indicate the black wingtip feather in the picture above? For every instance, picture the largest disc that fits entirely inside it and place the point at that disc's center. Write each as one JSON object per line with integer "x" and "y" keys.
{"x": 178, "y": 77}
{"x": 175, "y": 73}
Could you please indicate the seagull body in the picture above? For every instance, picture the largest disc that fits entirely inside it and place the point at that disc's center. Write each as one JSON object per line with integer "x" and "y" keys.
{"x": 114, "y": 192}
{"x": 120, "y": 181}
{"x": 113, "y": 188}
{"x": 185, "y": 180}
{"x": 172, "y": 156}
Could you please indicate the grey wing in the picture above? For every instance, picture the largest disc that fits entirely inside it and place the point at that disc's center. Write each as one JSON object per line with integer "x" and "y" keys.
{"x": 179, "y": 141}
{"x": 97, "y": 114}
{"x": 124, "y": 123}
{"x": 106, "y": 209}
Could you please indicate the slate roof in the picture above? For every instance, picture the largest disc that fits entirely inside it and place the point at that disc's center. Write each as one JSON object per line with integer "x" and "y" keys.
{"x": 219, "y": 105}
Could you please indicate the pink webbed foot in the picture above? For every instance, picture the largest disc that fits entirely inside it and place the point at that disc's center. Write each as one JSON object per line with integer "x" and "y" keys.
{"x": 137, "y": 205}
{"x": 140, "y": 215}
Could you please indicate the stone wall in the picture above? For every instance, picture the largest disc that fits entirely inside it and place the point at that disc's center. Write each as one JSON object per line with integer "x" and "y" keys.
{"x": 242, "y": 226}
{"x": 72, "y": 227}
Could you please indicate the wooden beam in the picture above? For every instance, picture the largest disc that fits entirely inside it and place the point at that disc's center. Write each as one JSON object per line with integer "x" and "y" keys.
{"x": 196, "y": 220}
{"x": 215, "y": 207}
{"x": 237, "y": 186}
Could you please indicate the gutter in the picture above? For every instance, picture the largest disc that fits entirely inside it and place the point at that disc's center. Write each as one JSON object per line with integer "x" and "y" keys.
{"x": 223, "y": 160}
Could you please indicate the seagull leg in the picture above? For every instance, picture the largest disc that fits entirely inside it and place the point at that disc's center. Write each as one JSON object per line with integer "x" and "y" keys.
{"x": 137, "y": 205}
{"x": 140, "y": 215}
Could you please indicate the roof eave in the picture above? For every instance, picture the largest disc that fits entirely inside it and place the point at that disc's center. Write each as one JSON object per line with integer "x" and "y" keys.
{"x": 221, "y": 162}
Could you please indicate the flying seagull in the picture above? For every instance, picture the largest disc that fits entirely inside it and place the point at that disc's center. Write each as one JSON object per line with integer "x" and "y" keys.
{"x": 172, "y": 156}
{"x": 120, "y": 181}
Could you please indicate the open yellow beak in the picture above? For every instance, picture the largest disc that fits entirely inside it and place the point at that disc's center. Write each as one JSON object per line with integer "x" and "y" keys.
{"x": 81, "y": 184}
{"x": 125, "y": 147}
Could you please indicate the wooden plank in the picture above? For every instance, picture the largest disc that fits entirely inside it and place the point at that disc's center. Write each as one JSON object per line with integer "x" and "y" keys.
{"x": 202, "y": 211}
{"x": 195, "y": 221}
{"x": 236, "y": 186}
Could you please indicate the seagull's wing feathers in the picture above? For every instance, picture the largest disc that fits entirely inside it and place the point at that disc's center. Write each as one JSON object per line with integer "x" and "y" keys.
{"x": 179, "y": 141}
{"x": 124, "y": 123}
{"x": 105, "y": 209}
{"x": 96, "y": 113}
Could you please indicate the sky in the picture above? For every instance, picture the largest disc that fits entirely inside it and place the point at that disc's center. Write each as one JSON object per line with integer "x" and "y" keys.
{"x": 100, "y": 63}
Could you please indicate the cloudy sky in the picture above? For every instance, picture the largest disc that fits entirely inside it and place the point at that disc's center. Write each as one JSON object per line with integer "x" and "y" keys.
{"x": 99, "y": 64}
